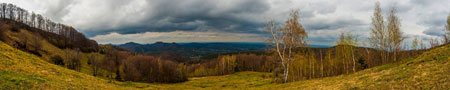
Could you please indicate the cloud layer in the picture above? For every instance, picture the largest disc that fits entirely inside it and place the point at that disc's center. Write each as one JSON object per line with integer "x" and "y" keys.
{"x": 107, "y": 20}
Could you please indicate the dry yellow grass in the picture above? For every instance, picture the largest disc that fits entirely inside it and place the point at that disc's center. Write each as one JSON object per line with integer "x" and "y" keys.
{"x": 431, "y": 70}
{"x": 20, "y": 70}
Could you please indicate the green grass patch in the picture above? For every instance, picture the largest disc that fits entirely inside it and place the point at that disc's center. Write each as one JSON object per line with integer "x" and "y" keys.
{"x": 385, "y": 67}
{"x": 10, "y": 81}
{"x": 128, "y": 84}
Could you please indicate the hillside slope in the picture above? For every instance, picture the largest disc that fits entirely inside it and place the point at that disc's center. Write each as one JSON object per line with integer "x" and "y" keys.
{"x": 20, "y": 70}
{"x": 47, "y": 49}
{"x": 431, "y": 70}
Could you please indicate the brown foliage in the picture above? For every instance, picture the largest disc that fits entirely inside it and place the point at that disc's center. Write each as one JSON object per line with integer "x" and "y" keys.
{"x": 136, "y": 67}
{"x": 150, "y": 69}
{"x": 95, "y": 62}
{"x": 57, "y": 60}
{"x": 2, "y": 33}
{"x": 73, "y": 59}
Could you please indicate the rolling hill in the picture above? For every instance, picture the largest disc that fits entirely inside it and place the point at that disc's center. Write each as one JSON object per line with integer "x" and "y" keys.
{"x": 20, "y": 70}
{"x": 184, "y": 52}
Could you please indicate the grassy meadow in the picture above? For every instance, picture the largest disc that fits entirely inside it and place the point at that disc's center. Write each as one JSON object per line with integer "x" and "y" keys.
{"x": 20, "y": 70}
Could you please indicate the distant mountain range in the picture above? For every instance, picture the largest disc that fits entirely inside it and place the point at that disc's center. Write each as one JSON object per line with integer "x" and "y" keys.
{"x": 194, "y": 49}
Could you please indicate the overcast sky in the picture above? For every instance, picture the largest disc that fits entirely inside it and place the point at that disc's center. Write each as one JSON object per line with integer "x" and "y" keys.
{"x": 148, "y": 21}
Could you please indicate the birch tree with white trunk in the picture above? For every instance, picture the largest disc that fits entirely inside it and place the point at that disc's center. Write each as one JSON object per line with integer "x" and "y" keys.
{"x": 285, "y": 38}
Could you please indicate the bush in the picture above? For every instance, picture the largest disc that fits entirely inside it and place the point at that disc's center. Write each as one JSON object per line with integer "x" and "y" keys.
{"x": 73, "y": 59}
{"x": 57, "y": 60}
{"x": 15, "y": 28}
{"x": 2, "y": 33}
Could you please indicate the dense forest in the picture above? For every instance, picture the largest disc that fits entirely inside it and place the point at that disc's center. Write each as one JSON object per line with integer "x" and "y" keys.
{"x": 289, "y": 58}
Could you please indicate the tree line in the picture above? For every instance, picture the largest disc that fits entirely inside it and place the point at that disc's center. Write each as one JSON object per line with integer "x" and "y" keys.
{"x": 122, "y": 65}
{"x": 290, "y": 59}
{"x": 228, "y": 64}
{"x": 66, "y": 36}
{"x": 129, "y": 66}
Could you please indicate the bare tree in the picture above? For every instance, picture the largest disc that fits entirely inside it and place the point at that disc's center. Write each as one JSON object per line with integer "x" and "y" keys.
{"x": 387, "y": 39}
{"x": 395, "y": 35}
{"x": 3, "y": 10}
{"x": 415, "y": 44}
{"x": 352, "y": 43}
{"x": 33, "y": 19}
{"x": 25, "y": 17}
{"x": 434, "y": 42}
{"x": 422, "y": 45}
{"x": 321, "y": 63}
{"x": 11, "y": 9}
{"x": 346, "y": 48}
{"x": 73, "y": 58}
{"x": 95, "y": 62}
{"x": 19, "y": 14}
{"x": 447, "y": 31}
{"x": 286, "y": 38}
{"x": 378, "y": 32}
{"x": 40, "y": 21}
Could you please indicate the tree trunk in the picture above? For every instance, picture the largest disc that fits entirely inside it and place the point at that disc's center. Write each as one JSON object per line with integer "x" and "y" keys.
{"x": 354, "y": 62}
{"x": 285, "y": 73}
{"x": 321, "y": 64}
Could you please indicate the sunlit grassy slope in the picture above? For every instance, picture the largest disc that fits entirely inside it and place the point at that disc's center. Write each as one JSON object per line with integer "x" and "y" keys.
{"x": 431, "y": 70}
{"x": 48, "y": 50}
{"x": 20, "y": 70}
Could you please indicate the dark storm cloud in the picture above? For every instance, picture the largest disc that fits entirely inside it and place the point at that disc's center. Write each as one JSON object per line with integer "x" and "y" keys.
{"x": 434, "y": 31}
{"x": 104, "y": 20}
{"x": 333, "y": 24}
{"x": 195, "y": 15}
